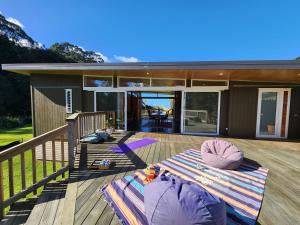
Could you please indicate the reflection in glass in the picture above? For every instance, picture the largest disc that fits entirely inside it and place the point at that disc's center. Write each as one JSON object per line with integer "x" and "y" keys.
{"x": 98, "y": 81}
{"x": 268, "y": 113}
{"x": 134, "y": 82}
{"x": 201, "y": 112}
{"x": 167, "y": 83}
{"x": 112, "y": 101}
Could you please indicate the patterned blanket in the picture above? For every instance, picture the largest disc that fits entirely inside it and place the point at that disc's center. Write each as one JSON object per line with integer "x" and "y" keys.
{"x": 241, "y": 189}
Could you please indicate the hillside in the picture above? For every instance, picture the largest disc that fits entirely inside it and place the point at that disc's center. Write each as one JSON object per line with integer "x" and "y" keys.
{"x": 18, "y": 47}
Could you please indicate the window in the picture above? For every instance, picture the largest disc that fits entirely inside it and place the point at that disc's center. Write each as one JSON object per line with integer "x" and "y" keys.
{"x": 197, "y": 83}
{"x": 134, "y": 82}
{"x": 96, "y": 81}
{"x": 167, "y": 83}
{"x": 201, "y": 112}
{"x": 68, "y": 97}
{"x": 112, "y": 102}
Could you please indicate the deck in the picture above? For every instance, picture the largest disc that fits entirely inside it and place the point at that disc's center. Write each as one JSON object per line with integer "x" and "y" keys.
{"x": 83, "y": 202}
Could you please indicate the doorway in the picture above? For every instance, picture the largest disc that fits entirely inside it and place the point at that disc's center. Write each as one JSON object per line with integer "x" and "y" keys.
{"x": 272, "y": 113}
{"x": 152, "y": 111}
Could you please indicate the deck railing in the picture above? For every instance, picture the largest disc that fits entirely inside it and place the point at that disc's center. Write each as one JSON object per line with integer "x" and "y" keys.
{"x": 89, "y": 122}
{"x": 82, "y": 124}
{"x": 78, "y": 125}
{"x": 25, "y": 152}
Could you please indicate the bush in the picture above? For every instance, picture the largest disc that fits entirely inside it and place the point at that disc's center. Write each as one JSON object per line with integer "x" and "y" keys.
{"x": 8, "y": 122}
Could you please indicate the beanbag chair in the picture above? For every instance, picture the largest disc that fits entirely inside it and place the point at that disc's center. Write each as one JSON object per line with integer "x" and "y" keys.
{"x": 171, "y": 200}
{"x": 221, "y": 154}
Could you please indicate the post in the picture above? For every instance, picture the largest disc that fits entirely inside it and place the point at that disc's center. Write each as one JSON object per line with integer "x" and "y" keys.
{"x": 71, "y": 120}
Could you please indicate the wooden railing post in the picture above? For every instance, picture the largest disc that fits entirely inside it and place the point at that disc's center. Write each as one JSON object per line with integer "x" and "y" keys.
{"x": 71, "y": 139}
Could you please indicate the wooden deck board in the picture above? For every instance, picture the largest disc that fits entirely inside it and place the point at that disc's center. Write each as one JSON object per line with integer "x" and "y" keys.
{"x": 281, "y": 204}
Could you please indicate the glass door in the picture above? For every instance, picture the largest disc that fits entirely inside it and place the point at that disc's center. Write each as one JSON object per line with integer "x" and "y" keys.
{"x": 201, "y": 112}
{"x": 272, "y": 113}
{"x": 113, "y": 102}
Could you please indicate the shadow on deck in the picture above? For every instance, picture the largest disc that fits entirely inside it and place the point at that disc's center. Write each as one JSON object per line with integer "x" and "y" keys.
{"x": 83, "y": 202}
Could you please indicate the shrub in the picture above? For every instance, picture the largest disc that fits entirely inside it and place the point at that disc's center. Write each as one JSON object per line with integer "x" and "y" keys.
{"x": 7, "y": 122}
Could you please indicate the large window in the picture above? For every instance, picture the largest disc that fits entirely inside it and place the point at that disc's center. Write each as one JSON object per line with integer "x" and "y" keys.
{"x": 95, "y": 81}
{"x": 201, "y": 112}
{"x": 112, "y": 102}
{"x": 134, "y": 82}
{"x": 167, "y": 83}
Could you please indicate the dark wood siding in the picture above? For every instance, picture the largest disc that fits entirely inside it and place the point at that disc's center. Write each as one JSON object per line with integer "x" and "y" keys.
{"x": 294, "y": 120}
{"x": 224, "y": 113}
{"x": 88, "y": 101}
{"x": 242, "y": 111}
{"x": 49, "y": 100}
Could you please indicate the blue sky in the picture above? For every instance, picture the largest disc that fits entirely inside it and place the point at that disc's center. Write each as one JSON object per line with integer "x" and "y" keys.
{"x": 167, "y": 30}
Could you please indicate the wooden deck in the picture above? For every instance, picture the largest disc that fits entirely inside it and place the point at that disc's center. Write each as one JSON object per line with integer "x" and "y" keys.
{"x": 83, "y": 202}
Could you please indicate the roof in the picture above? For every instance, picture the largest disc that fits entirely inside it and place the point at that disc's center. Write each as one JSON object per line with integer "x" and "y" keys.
{"x": 197, "y": 65}
{"x": 261, "y": 70}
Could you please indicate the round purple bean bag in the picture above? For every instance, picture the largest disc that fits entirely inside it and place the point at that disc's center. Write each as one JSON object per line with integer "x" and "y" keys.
{"x": 221, "y": 154}
{"x": 174, "y": 201}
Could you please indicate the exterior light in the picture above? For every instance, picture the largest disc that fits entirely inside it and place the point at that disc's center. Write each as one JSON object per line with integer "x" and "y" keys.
{"x": 221, "y": 74}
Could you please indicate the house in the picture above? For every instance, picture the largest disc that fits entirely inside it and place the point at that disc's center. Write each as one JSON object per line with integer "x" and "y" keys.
{"x": 248, "y": 99}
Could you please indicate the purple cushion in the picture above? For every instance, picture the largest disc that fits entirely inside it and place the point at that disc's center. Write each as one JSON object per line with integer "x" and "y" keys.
{"x": 221, "y": 154}
{"x": 171, "y": 200}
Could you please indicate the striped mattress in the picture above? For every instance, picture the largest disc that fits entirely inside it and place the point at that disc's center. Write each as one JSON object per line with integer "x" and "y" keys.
{"x": 241, "y": 189}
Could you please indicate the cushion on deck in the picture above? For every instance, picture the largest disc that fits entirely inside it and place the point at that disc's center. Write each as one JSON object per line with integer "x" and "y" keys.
{"x": 171, "y": 200}
{"x": 92, "y": 138}
{"x": 221, "y": 154}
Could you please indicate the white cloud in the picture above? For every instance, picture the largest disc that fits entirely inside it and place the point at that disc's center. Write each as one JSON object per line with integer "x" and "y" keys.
{"x": 126, "y": 59}
{"x": 15, "y": 21}
{"x": 105, "y": 58}
{"x": 81, "y": 48}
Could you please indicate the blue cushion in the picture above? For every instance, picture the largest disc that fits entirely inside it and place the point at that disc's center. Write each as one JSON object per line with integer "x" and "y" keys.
{"x": 92, "y": 138}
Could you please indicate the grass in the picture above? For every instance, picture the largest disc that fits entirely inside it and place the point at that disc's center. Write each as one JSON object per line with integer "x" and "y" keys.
{"x": 23, "y": 133}
{"x": 17, "y": 134}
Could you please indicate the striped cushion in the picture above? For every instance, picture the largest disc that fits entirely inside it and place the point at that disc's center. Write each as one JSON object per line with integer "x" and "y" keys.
{"x": 242, "y": 189}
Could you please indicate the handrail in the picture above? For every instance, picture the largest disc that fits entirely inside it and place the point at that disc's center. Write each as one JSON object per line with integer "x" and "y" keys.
{"x": 78, "y": 125}
{"x": 48, "y": 139}
{"x": 17, "y": 149}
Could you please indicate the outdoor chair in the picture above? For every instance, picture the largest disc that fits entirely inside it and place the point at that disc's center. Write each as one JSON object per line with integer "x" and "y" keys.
{"x": 221, "y": 154}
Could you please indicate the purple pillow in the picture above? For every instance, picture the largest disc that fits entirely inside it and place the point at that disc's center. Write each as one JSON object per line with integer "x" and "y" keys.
{"x": 171, "y": 200}
{"x": 221, "y": 154}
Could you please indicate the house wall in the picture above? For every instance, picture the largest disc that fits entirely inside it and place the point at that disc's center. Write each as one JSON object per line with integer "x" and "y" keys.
{"x": 242, "y": 112}
{"x": 294, "y": 120}
{"x": 224, "y": 113}
{"x": 238, "y": 110}
{"x": 87, "y": 101}
{"x": 48, "y": 99}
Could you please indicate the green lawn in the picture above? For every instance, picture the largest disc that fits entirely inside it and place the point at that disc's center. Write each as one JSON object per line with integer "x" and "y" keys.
{"x": 17, "y": 134}
{"x": 24, "y": 133}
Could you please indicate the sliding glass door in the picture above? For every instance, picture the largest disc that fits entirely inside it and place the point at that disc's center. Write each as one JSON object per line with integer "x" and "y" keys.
{"x": 112, "y": 102}
{"x": 201, "y": 112}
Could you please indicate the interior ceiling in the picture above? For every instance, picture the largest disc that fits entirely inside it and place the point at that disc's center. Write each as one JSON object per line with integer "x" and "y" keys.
{"x": 270, "y": 75}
